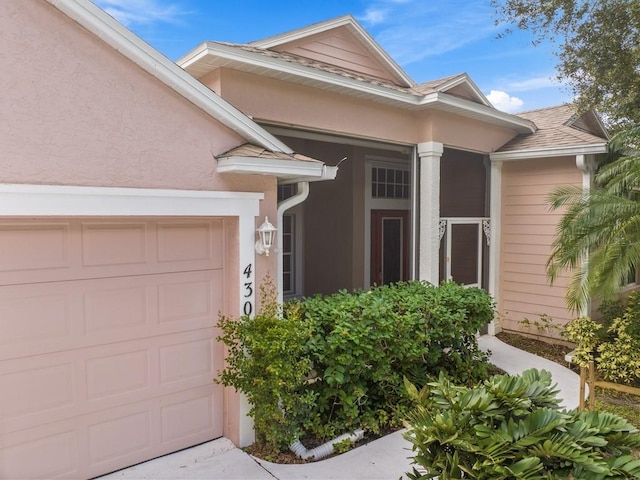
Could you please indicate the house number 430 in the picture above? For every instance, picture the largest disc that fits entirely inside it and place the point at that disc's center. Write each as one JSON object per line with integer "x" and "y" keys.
{"x": 247, "y": 308}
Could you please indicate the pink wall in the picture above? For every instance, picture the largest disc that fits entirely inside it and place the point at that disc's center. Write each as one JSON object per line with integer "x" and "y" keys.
{"x": 528, "y": 230}
{"x": 269, "y": 100}
{"x": 82, "y": 114}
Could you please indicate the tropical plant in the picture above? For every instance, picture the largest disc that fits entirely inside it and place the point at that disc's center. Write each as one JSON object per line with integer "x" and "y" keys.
{"x": 598, "y": 238}
{"x": 511, "y": 427}
{"x": 613, "y": 343}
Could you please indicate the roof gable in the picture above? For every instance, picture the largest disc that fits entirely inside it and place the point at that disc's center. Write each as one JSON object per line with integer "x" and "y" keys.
{"x": 560, "y": 131}
{"x": 459, "y": 85}
{"x": 341, "y": 42}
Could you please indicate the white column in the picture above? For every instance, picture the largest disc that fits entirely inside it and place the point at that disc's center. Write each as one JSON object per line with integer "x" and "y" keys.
{"x": 495, "y": 212}
{"x": 429, "y": 153}
{"x": 247, "y": 297}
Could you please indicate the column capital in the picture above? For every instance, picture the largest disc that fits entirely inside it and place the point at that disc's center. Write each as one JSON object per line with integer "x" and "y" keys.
{"x": 430, "y": 149}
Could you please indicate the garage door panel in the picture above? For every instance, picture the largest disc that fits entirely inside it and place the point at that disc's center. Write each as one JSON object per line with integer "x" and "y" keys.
{"x": 190, "y": 417}
{"x": 34, "y": 246}
{"x": 59, "y": 386}
{"x": 30, "y": 390}
{"x": 46, "y": 456}
{"x": 49, "y": 317}
{"x": 106, "y": 244}
{"x": 63, "y": 251}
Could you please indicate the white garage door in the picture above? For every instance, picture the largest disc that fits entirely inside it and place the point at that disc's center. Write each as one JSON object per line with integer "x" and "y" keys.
{"x": 107, "y": 342}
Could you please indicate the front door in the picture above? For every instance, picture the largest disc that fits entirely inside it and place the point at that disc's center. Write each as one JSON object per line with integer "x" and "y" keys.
{"x": 389, "y": 246}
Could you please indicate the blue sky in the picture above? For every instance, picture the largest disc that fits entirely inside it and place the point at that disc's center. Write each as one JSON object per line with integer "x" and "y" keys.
{"x": 430, "y": 39}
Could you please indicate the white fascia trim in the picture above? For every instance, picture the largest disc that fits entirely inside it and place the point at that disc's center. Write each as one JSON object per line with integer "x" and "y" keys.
{"x": 301, "y": 71}
{"x": 592, "y": 149}
{"x": 70, "y": 201}
{"x": 271, "y": 166}
{"x": 511, "y": 121}
{"x": 292, "y": 36}
{"x": 105, "y": 27}
{"x": 347, "y": 20}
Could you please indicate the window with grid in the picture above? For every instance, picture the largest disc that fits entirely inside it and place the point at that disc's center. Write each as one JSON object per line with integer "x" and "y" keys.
{"x": 288, "y": 242}
{"x": 389, "y": 183}
{"x": 288, "y": 254}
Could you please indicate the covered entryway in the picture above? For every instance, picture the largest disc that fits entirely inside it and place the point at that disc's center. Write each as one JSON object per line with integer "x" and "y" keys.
{"x": 107, "y": 329}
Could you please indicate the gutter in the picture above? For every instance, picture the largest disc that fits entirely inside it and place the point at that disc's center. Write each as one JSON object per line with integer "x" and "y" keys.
{"x": 297, "y": 199}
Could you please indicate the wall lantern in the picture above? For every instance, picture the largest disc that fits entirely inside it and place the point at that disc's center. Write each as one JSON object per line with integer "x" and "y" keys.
{"x": 267, "y": 234}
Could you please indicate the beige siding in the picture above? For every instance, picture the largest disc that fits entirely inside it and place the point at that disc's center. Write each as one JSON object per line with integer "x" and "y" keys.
{"x": 528, "y": 230}
{"x": 339, "y": 47}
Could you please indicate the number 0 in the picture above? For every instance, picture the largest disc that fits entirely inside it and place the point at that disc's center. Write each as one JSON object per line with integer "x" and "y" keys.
{"x": 248, "y": 308}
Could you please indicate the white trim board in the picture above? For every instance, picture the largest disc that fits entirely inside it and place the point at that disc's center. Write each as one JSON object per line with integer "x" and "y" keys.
{"x": 65, "y": 201}
{"x": 592, "y": 149}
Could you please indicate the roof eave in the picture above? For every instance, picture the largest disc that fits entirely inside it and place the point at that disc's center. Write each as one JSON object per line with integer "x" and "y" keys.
{"x": 287, "y": 170}
{"x": 109, "y": 30}
{"x": 389, "y": 95}
{"x": 471, "y": 109}
{"x": 562, "y": 151}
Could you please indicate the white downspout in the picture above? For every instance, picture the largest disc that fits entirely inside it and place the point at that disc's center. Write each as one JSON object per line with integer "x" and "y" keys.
{"x": 297, "y": 199}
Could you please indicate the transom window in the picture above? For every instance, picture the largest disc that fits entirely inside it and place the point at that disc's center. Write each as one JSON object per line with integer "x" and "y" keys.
{"x": 389, "y": 183}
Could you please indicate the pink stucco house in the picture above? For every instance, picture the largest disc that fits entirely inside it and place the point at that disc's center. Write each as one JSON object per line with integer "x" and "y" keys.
{"x": 434, "y": 182}
{"x": 131, "y": 189}
{"x": 120, "y": 241}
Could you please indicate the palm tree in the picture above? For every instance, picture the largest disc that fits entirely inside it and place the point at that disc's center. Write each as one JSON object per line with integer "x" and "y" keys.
{"x": 598, "y": 238}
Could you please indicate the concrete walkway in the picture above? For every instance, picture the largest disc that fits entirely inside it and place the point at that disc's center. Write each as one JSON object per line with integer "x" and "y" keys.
{"x": 386, "y": 458}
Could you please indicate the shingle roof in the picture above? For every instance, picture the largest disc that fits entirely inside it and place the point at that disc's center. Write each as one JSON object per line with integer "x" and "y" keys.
{"x": 421, "y": 89}
{"x": 253, "y": 151}
{"x": 555, "y": 129}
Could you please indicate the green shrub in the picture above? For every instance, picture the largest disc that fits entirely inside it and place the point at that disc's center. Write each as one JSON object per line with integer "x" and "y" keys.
{"x": 363, "y": 344}
{"x": 331, "y": 364}
{"x": 613, "y": 344}
{"x": 512, "y": 428}
{"x": 266, "y": 361}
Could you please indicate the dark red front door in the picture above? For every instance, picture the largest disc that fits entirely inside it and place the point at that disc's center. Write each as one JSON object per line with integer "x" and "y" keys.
{"x": 389, "y": 246}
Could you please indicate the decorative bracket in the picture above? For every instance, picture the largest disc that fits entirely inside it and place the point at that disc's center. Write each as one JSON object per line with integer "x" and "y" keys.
{"x": 442, "y": 227}
{"x": 486, "y": 228}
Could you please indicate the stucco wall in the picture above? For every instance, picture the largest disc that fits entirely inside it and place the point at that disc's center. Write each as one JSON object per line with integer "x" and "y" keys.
{"x": 270, "y": 100}
{"x": 528, "y": 230}
{"x": 77, "y": 112}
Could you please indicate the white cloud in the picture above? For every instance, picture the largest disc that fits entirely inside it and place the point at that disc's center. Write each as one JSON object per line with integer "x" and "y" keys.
{"x": 505, "y": 102}
{"x": 374, "y": 16}
{"x": 130, "y": 12}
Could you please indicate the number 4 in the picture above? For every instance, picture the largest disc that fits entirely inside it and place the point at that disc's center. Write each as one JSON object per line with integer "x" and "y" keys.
{"x": 247, "y": 271}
